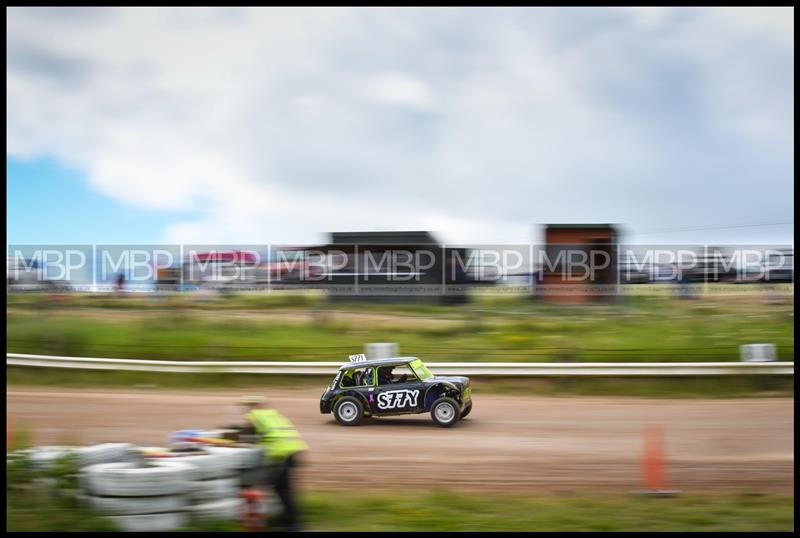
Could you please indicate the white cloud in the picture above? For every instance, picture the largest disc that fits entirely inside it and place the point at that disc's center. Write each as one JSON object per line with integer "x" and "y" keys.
{"x": 279, "y": 125}
{"x": 399, "y": 89}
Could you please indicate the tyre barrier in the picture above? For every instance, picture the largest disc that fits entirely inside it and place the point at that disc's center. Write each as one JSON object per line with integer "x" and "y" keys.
{"x": 151, "y": 522}
{"x": 214, "y": 489}
{"x": 134, "y": 506}
{"x": 144, "y": 489}
{"x": 214, "y": 493}
{"x": 206, "y": 465}
{"x": 250, "y": 462}
{"x": 124, "y": 479}
{"x": 146, "y": 497}
{"x": 245, "y": 457}
{"x": 44, "y": 457}
{"x": 105, "y": 453}
{"x": 231, "y": 509}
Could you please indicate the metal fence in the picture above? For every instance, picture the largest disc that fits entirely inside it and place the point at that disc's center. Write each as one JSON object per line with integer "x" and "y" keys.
{"x": 502, "y": 369}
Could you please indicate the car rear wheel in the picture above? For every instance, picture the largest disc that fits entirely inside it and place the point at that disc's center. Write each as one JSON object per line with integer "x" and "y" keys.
{"x": 467, "y": 410}
{"x": 444, "y": 412}
{"x": 348, "y": 411}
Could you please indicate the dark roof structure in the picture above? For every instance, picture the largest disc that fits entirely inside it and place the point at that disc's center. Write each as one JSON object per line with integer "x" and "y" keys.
{"x": 586, "y": 226}
{"x": 384, "y": 238}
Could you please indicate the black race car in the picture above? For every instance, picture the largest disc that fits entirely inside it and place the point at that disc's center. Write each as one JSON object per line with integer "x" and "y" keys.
{"x": 398, "y": 386}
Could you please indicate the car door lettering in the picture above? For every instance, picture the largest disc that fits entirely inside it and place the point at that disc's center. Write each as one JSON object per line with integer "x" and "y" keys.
{"x": 394, "y": 399}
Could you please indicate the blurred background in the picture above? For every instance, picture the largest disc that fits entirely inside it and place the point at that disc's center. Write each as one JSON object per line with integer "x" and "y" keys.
{"x": 525, "y": 186}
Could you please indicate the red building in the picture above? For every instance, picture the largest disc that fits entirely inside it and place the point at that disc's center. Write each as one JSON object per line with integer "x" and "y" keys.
{"x": 579, "y": 263}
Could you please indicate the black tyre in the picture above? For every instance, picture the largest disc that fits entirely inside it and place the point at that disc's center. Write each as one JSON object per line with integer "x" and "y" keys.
{"x": 467, "y": 410}
{"x": 348, "y": 411}
{"x": 445, "y": 412}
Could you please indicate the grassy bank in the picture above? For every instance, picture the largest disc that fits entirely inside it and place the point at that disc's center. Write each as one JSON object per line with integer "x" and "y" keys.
{"x": 308, "y": 327}
{"x": 34, "y": 505}
{"x": 35, "y": 510}
{"x": 449, "y": 511}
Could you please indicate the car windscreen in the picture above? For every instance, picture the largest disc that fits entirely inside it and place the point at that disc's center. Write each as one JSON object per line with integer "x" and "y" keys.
{"x": 335, "y": 380}
{"x": 421, "y": 370}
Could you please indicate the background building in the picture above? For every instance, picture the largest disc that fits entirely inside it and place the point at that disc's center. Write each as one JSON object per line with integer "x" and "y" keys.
{"x": 564, "y": 277}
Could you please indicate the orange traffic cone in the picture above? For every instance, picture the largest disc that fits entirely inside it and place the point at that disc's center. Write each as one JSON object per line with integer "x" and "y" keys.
{"x": 653, "y": 467}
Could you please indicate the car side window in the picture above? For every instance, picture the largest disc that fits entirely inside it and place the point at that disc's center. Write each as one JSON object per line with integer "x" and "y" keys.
{"x": 347, "y": 379}
{"x": 358, "y": 377}
{"x": 367, "y": 377}
{"x": 385, "y": 375}
{"x": 402, "y": 373}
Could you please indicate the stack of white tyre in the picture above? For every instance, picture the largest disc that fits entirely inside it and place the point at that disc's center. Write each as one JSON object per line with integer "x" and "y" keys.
{"x": 140, "y": 497}
{"x": 144, "y": 489}
{"x": 249, "y": 462}
{"x": 44, "y": 457}
{"x": 214, "y": 492}
{"x": 105, "y": 453}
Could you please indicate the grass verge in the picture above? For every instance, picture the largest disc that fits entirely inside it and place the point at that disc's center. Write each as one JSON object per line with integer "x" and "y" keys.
{"x": 448, "y": 511}
{"x": 514, "y": 328}
{"x": 43, "y": 501}
{"x": 33, "y": 509}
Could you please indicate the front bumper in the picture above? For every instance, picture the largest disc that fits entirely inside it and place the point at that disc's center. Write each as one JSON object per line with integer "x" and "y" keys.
{"x": 325, "y": 405}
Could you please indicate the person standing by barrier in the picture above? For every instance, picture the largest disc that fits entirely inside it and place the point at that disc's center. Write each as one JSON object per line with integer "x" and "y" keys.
{"x": 282, "y": 445}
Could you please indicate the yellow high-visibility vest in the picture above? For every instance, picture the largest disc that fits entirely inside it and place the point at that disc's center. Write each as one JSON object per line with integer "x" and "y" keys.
{"x": 278, "y": 435}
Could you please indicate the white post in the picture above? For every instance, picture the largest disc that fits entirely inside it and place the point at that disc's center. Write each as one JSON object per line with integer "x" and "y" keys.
{"x": 758, "y": 352}
{"x": 381, "y": 350}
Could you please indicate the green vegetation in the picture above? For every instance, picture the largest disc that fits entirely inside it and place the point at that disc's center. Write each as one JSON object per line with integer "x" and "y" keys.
{"x": 450, "y": 511}
{"x": 36, "y": 510}
{"x": 306, "y": 327}
{"x": 40, "y": 501}
{"x": 33, "y": 505}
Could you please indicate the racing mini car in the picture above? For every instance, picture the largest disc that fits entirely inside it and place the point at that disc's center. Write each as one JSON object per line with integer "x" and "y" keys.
{"x": 397, "y": 386}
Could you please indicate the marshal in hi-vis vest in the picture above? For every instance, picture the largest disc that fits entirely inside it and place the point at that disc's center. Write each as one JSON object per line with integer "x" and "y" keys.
{"x": 278, "y": 435}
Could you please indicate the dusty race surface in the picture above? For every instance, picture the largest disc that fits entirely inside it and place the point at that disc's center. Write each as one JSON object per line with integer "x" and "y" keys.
{"x": 523, "y": 443}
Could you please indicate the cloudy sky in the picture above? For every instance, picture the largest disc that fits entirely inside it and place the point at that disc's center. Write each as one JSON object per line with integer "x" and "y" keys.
{"x": 272, "y": 125}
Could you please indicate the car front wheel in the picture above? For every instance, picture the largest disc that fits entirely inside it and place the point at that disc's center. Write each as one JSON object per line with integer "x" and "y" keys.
{"x": 445, "y": 412}
{"x": 348, "y": 411}
{"x": 467, "y": 410}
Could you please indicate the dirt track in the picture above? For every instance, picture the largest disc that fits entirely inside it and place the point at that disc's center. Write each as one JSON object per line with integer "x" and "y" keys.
{"x": 523, "y": 443}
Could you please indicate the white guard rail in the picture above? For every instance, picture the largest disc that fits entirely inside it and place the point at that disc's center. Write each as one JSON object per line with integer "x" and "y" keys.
{"x": 608, "y": 369}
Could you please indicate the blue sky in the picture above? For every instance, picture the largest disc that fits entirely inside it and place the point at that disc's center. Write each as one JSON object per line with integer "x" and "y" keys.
{"x": 279, "y": 125}
{"x": 49, "y": 203}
